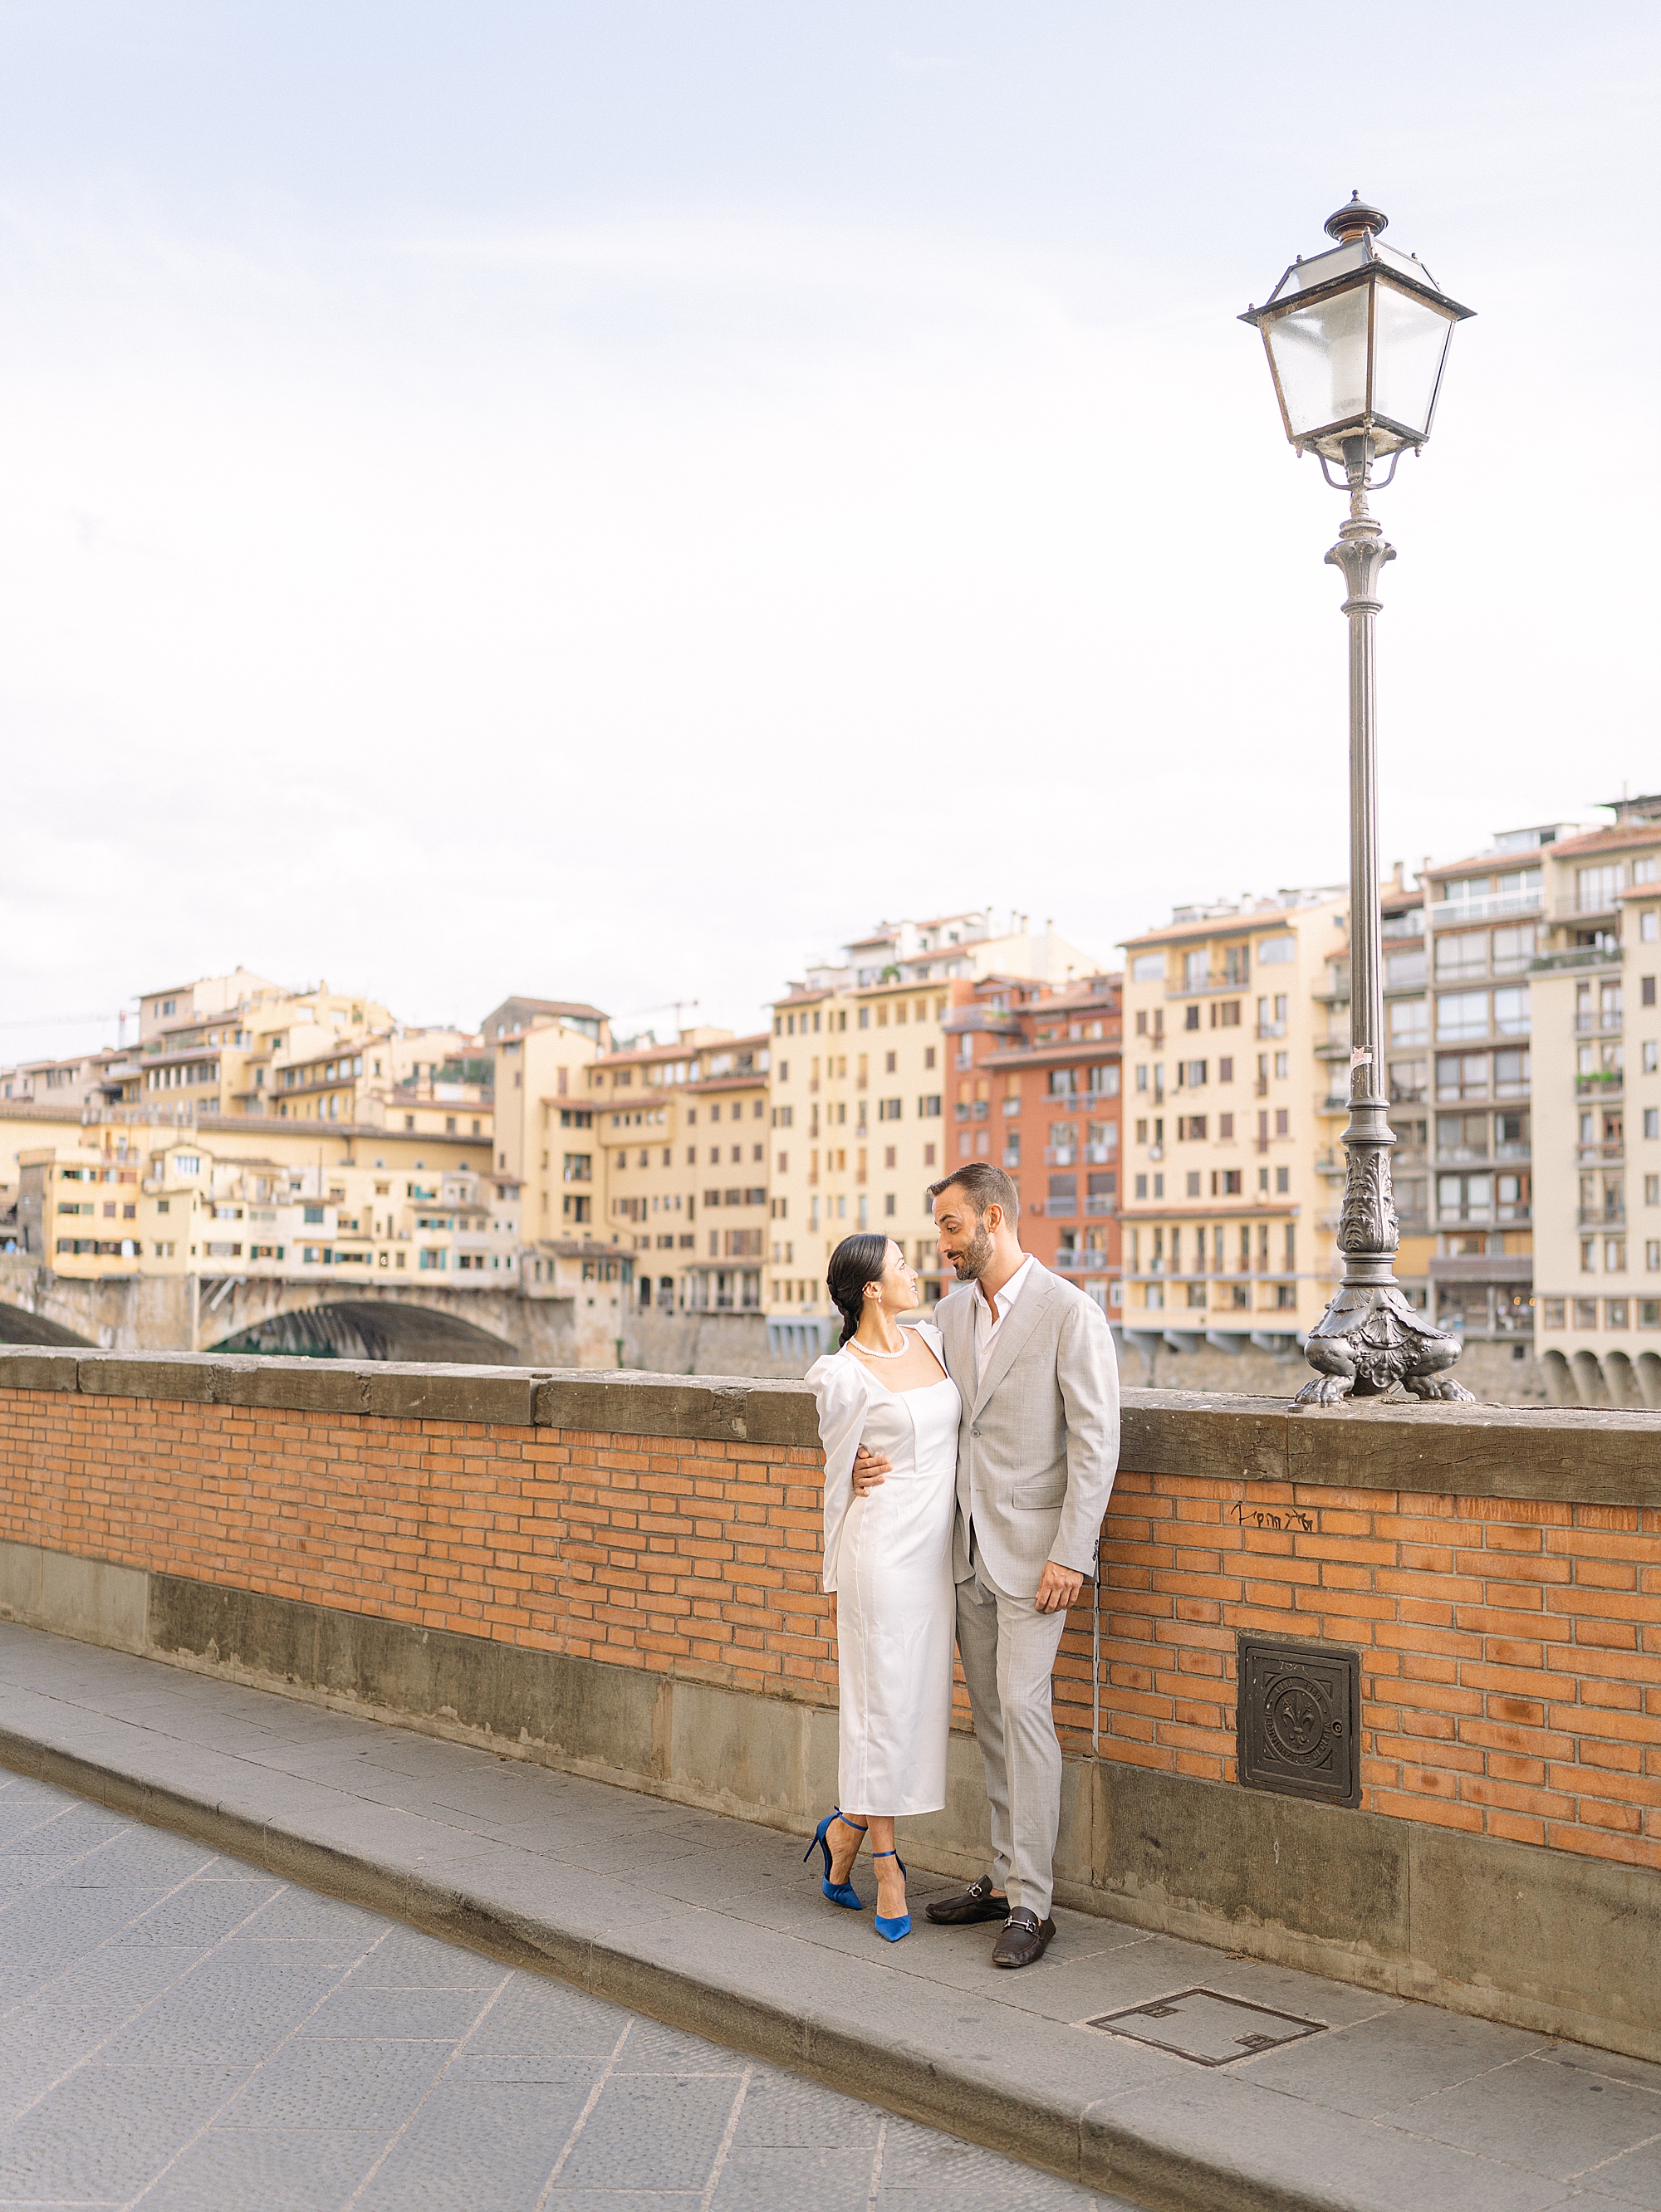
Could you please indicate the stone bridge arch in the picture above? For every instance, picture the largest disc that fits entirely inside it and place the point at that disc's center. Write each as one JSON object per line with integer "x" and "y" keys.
{"x": 373, "y": 1328}
{"x": 19, "y": 1326}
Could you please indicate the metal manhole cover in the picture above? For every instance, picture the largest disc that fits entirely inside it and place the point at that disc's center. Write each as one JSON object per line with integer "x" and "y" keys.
{"x": 1209, "y": 2028}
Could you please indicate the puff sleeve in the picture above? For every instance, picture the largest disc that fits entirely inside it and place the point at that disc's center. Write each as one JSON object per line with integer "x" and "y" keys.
{"x": 839, "y": 1390}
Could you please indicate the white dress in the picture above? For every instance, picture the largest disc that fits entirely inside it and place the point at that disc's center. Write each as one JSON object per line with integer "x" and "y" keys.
{"x": 888, "y": 1559}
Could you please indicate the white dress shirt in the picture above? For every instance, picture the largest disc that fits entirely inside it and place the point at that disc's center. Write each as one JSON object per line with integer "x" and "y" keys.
{"x": 987, "y": 1324}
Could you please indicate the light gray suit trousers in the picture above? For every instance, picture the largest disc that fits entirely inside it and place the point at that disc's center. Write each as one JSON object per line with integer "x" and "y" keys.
{"x": 1037, "y": 1450}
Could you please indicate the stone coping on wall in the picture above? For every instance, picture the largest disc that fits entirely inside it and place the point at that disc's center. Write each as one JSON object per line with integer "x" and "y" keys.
{"x": 1572, "y": 1454}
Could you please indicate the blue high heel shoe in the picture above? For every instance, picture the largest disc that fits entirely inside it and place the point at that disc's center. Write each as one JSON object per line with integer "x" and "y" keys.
{"x": 839, "y": 1893}
{"x": 892, "y": 1930}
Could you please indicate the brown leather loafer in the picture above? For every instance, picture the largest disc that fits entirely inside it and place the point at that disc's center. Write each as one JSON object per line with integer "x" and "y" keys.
{"x": 981, "y": 1902}
{"x": 1025, "y": 1939}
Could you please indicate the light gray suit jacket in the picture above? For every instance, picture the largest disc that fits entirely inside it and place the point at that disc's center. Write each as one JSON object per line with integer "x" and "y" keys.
{"x": 1038, "y": 1445}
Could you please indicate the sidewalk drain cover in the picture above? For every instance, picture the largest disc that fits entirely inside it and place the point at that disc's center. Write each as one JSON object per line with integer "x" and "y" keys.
{"x": 1210, "y": 2029}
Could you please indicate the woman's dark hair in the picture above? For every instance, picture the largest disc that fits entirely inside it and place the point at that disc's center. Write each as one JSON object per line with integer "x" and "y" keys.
{"x": 856, "y": 1262}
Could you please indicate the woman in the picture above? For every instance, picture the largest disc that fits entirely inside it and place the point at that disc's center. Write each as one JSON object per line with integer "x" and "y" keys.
{"x": 888, "y": 1559}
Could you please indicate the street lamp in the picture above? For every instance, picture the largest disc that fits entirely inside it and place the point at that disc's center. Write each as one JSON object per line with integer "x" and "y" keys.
{"x": 1357, "y": 340}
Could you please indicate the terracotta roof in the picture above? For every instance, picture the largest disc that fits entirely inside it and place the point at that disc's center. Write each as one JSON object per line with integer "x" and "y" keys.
{"x": 1622, "y": 837}
{"x": 1234, "y": 924}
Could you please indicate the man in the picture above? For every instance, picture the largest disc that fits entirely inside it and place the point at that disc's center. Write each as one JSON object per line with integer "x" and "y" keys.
{"x": 1038, "y": 1449}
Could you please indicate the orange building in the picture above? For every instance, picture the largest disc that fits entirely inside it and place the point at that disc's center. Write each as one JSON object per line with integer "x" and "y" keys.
{"x": 1033, "y": 1076}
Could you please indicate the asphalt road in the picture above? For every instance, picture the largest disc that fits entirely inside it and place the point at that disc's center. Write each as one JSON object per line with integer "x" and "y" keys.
{"x": 182, "y": 2032}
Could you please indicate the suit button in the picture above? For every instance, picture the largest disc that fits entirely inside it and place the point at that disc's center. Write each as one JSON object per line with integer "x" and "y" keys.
{"x": 974, "y": 1432}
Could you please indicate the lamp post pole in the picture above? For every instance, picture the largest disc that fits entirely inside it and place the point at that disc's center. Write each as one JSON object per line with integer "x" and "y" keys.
{"x": 1371, "y": 1335}
{"x": 1357, "y": 340}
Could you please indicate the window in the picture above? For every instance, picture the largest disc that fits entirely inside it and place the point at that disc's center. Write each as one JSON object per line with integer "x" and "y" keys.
{"x": 1652, "y": 1255}
{"x": 1409, "y": 1022}
{"x": 1141, "y": 1186}
{"x": 1274, "y": 951}
{"x": 1190, "y": 1128}
{"x": 1063, "y": 1196}
{"x": 1226, "y": 1014}
{"x": 1596, "y": 889}
{"x": 1147, "y": 968}
{"x": 1614, "y": 1313}
{"x": 1461, "y": 1014}
{"x": 1465, "y": 953}
{"x": 1511, "y": 1011}
{"x": 1513, "y": 949}
{"x": 1282, "y": 1182}
{"x": 1225, "y": 1071}
{"x": 1282, "y": 1121}
{"x": 1510, "y": 1074}
{"x": 1552, "y": 1314}
{"x": 1646, "y": 991}
{"x": 928, "y": 1106}
{"x": 1282, "y": 1065}
{"x": 1197, "y": 972}
{"x": 1193, "y": 1073}
{"x": 1585, "y": 1313}
{"x": 888, "y": 1109}
{"x": 1404, "y": 971}
{"x": 1226, "y": 1182}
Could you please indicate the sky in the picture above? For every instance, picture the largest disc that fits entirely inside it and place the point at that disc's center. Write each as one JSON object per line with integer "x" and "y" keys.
{"x": 609, "y": 501}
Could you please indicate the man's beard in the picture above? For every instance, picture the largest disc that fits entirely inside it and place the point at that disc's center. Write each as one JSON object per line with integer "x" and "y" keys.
{"x": 972, "y": 1262}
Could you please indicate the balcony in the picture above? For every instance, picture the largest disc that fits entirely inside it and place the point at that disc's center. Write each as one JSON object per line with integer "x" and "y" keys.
{"x": 1061, "y": 1156}
{"x": 1611, "y": 1155}
{"x": 1081, "y": 1259}
{"x": 1100, "y": 1156}
{"x": 1101, "y": 1206}
{"x": 1271, "y": 1030}
{"x": 1592, "y": 1217}
{"x": 1598, "y": 1024}
{"x": 1575, "y": 956}
{"x": 1608, "y": 1084}
{"x": 1333, "y": 1048}
{"x": 1450, "y": 913}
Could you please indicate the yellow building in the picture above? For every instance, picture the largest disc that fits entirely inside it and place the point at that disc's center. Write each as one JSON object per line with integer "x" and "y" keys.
{"x": 681, "y": 1131}
{"x": 863, "y": 1096}
{"x": 1234, "y": 1015}
{"x": 544, "y": 1117}
{"x": 117, "y": 1200}
{"x": 1596, "y": 1111}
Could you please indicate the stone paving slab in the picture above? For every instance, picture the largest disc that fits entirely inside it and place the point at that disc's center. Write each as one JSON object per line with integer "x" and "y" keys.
{"x": 714, "y": 1928}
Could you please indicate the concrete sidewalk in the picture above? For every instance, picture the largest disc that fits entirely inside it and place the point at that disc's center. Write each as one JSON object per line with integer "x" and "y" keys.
{"x": 1223, "y": 2082}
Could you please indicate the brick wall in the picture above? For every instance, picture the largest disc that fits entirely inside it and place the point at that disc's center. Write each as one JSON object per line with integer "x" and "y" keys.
{"x": 1511, "y": 1643}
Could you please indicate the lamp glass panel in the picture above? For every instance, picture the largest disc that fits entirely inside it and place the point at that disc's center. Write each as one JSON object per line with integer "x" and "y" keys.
{"x": 1411, "y": 338}
{"x": 1320, "y": 355}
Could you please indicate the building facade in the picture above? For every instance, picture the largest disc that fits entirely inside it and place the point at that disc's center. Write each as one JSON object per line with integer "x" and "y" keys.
{"x": 1596, "y": 1108}
{"x": 1034, "y": 1088}
{"x": 1232, "y": 1018}
{"x": 680, "y": 1154}
{"x": 859, "y": 1114}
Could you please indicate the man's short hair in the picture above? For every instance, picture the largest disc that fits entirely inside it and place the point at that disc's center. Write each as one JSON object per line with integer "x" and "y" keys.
{"x": 983, "y": 1185}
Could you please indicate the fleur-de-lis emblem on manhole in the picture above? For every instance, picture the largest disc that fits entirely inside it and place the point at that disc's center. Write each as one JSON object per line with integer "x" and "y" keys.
{"x": 1296, "y": 1719}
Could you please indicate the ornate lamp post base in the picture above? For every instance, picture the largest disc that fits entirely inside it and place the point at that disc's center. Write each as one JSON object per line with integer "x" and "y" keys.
{"x": 1370, "y": 1336}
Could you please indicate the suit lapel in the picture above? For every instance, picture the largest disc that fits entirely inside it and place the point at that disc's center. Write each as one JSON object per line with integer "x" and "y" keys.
{"x": 1029, "y": 1308}
{"x": 959, "y": 1341}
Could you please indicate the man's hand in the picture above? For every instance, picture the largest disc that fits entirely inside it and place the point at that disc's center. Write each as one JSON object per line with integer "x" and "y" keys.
{"x": 1058, "y": 1588}
{"x": 869, "y": 1468}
